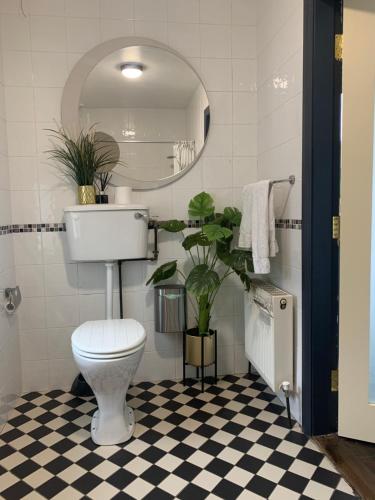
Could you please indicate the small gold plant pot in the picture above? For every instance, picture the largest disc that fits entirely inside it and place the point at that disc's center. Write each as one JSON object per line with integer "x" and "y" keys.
{"x": 193, "y": 353}
{"x": 86, "y": 195}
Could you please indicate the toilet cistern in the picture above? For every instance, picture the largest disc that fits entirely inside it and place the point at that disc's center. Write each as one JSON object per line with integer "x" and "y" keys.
{"x": 107, "y": 233}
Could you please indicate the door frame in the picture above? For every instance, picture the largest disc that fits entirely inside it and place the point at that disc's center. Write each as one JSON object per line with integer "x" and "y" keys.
{"x": 320, "y": 201}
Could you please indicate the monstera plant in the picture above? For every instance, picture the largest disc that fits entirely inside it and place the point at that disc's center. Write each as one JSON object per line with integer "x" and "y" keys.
{"x": 212, "y": 257}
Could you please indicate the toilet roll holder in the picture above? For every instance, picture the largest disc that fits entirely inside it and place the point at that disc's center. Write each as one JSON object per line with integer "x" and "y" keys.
{"x": 12, "y": 299}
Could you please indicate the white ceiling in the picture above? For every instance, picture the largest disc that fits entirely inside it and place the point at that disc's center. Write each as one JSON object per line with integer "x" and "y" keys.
{"x": 167, "y": 81}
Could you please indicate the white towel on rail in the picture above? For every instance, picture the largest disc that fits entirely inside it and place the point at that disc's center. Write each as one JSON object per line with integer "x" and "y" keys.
{"x": 183, "y": 154}
{"x": 257, "y": 231}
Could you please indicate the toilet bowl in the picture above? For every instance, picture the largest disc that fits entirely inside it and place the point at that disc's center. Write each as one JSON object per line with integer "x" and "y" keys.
{"x": 108, "y": 353}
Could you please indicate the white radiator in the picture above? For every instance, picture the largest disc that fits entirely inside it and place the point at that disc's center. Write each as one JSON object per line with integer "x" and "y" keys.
{"x": 269, "y": 333}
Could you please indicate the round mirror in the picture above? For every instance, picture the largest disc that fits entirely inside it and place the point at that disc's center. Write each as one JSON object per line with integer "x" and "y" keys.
{"x": 147, "y": 103}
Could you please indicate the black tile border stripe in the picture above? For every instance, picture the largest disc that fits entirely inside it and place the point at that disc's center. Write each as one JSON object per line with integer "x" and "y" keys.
{"x": 32, "y": 228}
{"x": 279, "y": 223}
{"x": 288, "y": 224}
{"x": 60, "y": 226}
{"x": 5, "y": 230}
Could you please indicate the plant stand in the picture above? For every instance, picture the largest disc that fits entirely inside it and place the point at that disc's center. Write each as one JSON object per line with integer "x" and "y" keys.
{"x": 202, "y": 364}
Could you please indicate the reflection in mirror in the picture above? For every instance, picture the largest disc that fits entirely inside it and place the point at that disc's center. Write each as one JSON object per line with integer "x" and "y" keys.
{"x": 150, "y": 104}
{"x": 108, "y": 146}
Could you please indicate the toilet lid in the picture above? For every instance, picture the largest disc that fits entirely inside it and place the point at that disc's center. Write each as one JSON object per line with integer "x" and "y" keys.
{"x": 108, "y": 337}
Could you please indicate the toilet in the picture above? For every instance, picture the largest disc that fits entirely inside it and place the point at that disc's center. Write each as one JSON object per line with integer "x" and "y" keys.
{"x": 108, "y": 353}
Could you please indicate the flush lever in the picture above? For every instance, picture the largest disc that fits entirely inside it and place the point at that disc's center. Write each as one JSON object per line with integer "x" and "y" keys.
{"x": 139, "y": 215}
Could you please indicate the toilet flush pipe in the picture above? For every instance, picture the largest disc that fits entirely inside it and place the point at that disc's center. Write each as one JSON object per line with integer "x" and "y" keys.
{"x": 109, "y": 290}
{"x": 154, "y": 226}
{"x": 80, "y": 387}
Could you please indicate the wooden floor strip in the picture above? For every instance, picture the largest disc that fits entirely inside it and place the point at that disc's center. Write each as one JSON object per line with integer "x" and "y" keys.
{"x": 354, "y": 459}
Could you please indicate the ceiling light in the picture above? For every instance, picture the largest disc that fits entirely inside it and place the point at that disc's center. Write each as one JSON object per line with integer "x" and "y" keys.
{"x": 128, "y": 133}
{"x": 132, "y": 70}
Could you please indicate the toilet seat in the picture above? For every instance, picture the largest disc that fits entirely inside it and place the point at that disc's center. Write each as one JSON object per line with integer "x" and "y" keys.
{"x": 108, "y": 339}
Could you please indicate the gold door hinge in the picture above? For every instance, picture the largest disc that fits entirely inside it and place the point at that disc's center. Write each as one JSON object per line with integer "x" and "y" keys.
{"x": 334, "y": 380}
{"x": 339, "y": 40}
{"x": 336, "y": 227}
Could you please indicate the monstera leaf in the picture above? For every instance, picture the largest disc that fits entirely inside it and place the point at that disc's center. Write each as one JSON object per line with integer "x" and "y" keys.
{"x": 173, "y": 226}
{"x": 216, "y": 218}
{"x": 201, "y": 206}
{"x": 240, "y": 260}
{"x": 249, "y": 262}
{"x": 195, "y": 239}
{"x": 216, "y": 232}
{"x": 202, "y": 280}
{"x": 245, "y": 280}
{"x": 223, "y": 250}
{"x": 163, "y": 272}
{"x": 232, "y": 215}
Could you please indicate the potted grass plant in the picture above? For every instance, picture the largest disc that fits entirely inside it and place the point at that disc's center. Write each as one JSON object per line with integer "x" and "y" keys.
{"x": 212, "y": 260}
{"x": 81, "y": 159}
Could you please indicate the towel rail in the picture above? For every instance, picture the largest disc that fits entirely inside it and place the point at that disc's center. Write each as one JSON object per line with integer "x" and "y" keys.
{"x": 291, "y": 179}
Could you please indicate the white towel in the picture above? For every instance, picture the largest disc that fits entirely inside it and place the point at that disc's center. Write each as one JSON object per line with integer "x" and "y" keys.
{"x": 257, "y": 230}
{"x": 183, "y": 154}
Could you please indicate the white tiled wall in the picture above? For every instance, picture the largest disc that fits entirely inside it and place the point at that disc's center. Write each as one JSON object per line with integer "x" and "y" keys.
{"x": 218, "y": 38}
{"x": 279, "y": 57}
{"x": 10, "y": 365}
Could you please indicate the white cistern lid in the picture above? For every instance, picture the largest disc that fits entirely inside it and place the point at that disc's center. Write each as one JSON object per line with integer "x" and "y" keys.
{"x": 105, "y": 207}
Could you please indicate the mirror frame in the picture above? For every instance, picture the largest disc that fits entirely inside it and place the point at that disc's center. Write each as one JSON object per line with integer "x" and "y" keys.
{"x": 77, "y": 77}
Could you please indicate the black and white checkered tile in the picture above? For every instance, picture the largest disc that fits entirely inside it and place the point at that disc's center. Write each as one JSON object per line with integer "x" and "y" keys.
{"x": 233, "y": 441}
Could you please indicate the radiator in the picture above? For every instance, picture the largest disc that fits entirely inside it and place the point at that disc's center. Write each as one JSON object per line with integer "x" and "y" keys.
{"x": 269, "y": 333}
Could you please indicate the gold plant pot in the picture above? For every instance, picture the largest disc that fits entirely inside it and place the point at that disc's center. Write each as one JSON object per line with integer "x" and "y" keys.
{"x": 86, "y": 195}
{"x": 193, "y": 353}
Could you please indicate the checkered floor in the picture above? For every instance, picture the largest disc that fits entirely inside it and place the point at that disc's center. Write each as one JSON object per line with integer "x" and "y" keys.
{"x": 233, "y": 441}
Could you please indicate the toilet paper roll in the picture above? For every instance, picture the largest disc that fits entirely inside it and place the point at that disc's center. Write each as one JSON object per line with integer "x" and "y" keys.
{"x": 123, "y": 195}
